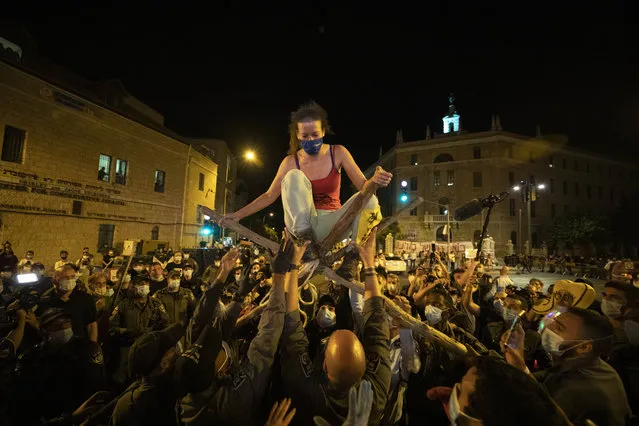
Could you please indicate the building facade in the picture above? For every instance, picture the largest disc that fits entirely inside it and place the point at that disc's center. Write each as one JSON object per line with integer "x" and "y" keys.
{"x": 93, "y": 168}
{"x": 454, "y": 167}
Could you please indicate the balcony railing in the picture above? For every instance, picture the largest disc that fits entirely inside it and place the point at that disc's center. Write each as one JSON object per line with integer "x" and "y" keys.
{"x": 437, "y": 218}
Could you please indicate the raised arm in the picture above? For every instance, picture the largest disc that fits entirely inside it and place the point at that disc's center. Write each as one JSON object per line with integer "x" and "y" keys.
{"x": 345, "y": 159}
{"x": 267, "y": 198}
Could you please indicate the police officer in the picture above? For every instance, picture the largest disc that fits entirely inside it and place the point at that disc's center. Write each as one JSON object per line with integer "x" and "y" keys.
{"x": 178, "y": 302}
{"x": 59, "y": 373}
{"x": 134, "y": 316}
{"x": 347, "y": 360}
{"x": 233, "y": 401}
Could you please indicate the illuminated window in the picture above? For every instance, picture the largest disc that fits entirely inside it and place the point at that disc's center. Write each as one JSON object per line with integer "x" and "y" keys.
{"x": 104, "y": 168}
{"x": 450, "y": 175}
{"x": 159, "y": 181}
{"x": 121, "y": 171}
{"x": 436, "y": 178}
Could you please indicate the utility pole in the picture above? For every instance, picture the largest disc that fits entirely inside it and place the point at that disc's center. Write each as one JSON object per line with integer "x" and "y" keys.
{"x": 521, "y": 237}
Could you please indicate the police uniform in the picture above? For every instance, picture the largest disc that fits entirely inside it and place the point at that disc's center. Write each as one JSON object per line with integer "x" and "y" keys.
{"x": 58, "y": 379}
{"x": 233, "y": 400}
{"x": 313, "y": 394}
{"x": 179, "y": 305}
{"x": 132, "y": 318}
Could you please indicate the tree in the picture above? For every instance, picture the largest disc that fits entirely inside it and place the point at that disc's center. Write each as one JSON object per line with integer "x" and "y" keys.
{"x": 579, "y": 229}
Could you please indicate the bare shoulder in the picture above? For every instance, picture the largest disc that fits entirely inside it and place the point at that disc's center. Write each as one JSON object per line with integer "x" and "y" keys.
{"x": 288, "y": 163}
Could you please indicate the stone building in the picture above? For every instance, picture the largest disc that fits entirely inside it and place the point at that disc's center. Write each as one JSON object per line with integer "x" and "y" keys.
{"x": 455, "y": 166}
{"x": 87, "y": 164}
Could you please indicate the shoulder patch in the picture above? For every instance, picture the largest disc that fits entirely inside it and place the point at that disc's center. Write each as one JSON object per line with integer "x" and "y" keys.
{"x": 372, "y": 363}
{"x": 306, "y": 364}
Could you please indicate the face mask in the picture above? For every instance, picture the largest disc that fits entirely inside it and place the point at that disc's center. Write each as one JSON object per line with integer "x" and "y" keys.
{"x": 127, "y": 278}
{"x": 188, "y": 274}
{"x": 174, "y": 285}
{"x": 67, "y": 285}
{"x": 109, "y": 292}
{"x": 551, "y": 342}
{"x": 632, "y": 331}
{"x": 100, "y": 291}
{"x": 158, "y": 279}
{"x": 178, "y": 259}
{"x": 454, "y": 408}
{"x": 237, "y": 278}
{"x": 186, "y": 256}
{"x": 611, "y": 308}
{"x": 138, "y": 268}
{"x": 433, "y": 314}
{"x": 509, "y": 316}
{"x": 312, "y": 146}
{"x": 61, "y": 337}
{"x": 326, "y": 318}
{"x": 142, "y": 290}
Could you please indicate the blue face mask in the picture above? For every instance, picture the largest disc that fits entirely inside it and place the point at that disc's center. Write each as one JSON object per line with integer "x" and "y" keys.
{"x": 312, "y": 146}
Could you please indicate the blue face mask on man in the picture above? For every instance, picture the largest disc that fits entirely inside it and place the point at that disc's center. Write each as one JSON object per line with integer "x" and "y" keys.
{"x": 312, "y": 146}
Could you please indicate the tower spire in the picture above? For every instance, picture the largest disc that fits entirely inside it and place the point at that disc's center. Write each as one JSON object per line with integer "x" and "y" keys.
{"x": 497, "y": 122}
{"x": 451, "y": 120}
{"x": 399, "y": 137}
{"x": 493, "y": 123}
{"x": 428, "y": 136}
{"x": 380, "y": 151}
{"x": 538, "y": 132}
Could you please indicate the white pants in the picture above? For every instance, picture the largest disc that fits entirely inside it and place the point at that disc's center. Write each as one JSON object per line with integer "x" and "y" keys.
{"x": 300, "y": 214}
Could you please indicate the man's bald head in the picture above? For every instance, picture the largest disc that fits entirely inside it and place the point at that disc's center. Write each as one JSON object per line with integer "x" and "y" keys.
{"x": 66, "y": 272}
{"x": 345, "y": 360}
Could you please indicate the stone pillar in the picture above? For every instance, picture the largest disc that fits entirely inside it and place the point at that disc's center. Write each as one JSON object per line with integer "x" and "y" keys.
{"x": 510, "y": 248}
{"x": 389, "y": 244}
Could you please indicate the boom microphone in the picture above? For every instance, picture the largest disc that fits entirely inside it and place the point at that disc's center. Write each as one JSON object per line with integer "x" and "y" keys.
{"x": 474, "y": 207}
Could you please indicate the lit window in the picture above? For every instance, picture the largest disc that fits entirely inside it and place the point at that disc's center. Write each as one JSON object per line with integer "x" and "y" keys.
{"x": 13, "y": 144}
{"x": 436, "y": 178}
{"x": 159, "y": 180}
{"x": 450, "y": 177}
{"x": 104, "y": 168}
{"x": 121, "y": 171}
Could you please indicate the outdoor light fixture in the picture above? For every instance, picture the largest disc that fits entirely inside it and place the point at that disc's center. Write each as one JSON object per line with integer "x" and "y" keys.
{"x": 404, "y": 184}
{"x": 541, "y": 186}
{"x": 249, "y": 155}
{"x": 516, "y": 188}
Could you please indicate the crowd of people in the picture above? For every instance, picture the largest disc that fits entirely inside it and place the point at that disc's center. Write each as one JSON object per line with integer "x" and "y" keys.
{"x": 252, "y": 339}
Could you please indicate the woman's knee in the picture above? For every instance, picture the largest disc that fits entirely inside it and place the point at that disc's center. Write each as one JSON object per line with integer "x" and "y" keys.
{"x": 295, "y": 177}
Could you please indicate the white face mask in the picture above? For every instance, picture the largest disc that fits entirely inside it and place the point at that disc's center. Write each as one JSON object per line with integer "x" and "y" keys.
{"x": 109, "y": 292}
{"x": 138, "y": 268}
{"x": 551, "y": 342}
{"x": 632, "y": 331}
{"x": 217, "y": 263}
{"x": 100, "y": 291}
{"x": 326, "y": 318}
{"x": 142, "y": 290}
{"x": 173, "y": 285}
{"x": 61, "y": 337}
{"x": 67, "y": 285}
{"x": 611, "y": 308}
{"x": 127, "y": 278}
{"x": 433, "y": 314}
{"x": 158, "y": 279}
{"x": 454, "y": 408}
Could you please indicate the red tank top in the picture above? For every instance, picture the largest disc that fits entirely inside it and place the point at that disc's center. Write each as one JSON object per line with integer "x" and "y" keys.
{"x": 326, "y": 190}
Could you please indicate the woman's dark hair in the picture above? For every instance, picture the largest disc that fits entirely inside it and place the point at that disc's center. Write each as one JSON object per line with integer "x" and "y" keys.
{"x": 505, "y": 396}
{"x": 308, "y": 111}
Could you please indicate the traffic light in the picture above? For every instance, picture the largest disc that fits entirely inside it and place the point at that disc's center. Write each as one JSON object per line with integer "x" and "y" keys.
{"x": 207, "y": 228}
{"x": 404, "y": 197}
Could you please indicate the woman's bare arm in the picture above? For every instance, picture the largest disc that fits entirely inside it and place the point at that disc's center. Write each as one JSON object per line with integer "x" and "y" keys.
{"x": 267, "y": 198}
{"x": 345, "y": 160}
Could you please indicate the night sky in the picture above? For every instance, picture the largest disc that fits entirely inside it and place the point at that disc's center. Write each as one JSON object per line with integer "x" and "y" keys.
{"x": 236, "y": 72}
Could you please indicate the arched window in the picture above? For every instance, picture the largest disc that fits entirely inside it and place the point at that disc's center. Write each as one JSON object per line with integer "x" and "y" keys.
{"x": 535, "y": 240}
{"x": 443, "y": 202}
{"x": 443, "y": 158}
{"x": 155, "y": 233}
{"x": 513, "y": 238}
{"x": 440, "y": 234}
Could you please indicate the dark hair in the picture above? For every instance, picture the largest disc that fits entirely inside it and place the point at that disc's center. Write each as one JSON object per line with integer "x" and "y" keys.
{"x": 630, "y": 291}
{"x": 64, "y": 251}
{"x": 522, "y": 297}
{"x": 157, "y": 263}
{"x": 596, "y": 327}
{"x": 517, "y": 395}
{"x": 441, "y": 291}
{"x": 308, "y": 111}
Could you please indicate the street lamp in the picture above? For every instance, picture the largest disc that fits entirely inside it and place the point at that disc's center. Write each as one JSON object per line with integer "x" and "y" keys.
{"x": 249, "y": 156}
{"x": 528, "y": 195}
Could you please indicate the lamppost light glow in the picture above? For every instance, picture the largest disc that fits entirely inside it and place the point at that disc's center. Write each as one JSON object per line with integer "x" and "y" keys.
{"x": 249, "y": 155}
{"x": 271, "y": 214}
{"x": 404, "y": 184}
{"x": 516, "y": 188}
{"x": 541, "y": 186}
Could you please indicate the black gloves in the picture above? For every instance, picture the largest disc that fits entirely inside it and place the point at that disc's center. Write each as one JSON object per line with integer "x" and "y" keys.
{"x": 282, "y": 261}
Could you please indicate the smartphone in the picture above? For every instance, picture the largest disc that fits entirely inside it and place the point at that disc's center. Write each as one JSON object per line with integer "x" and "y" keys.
{"x": 511, "y": 341}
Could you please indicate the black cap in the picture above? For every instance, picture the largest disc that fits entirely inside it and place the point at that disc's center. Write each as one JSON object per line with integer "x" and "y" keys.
{"x": 147, "y": 352}
{"x": 326, "y": 300}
